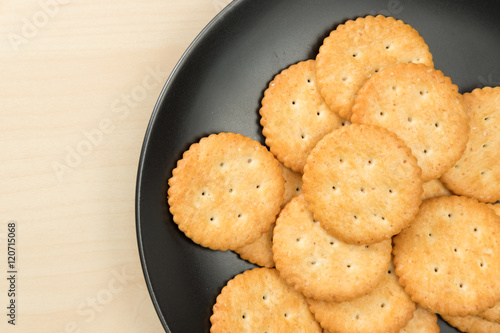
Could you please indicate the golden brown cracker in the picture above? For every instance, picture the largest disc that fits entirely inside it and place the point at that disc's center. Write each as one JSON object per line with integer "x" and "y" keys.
{"x": 473, "y": 324}
{"x": 387, "y": 308}
{"x": 258, "y": 300}
{"x": 448, "y": 259}
{"x": 260, "y": 252}
{"x": 225, "y": 191}
{"x": 477, "y": 173}
{"x": 434, "y": 188}
{"x": 356, "y": 50}
{"x": 423, "y": 321}
{"x": 423, "y": 108}
{"x": 294, "y": 115}
{"x": 321, "y": 266}
{"x": 362, "y": 184}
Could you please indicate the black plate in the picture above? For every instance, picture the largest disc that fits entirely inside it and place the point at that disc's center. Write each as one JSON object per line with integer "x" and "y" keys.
{"x": 217, "y": 86}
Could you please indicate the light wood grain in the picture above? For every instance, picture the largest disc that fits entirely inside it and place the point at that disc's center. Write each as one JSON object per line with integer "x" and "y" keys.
{"x": 76, "y": 93}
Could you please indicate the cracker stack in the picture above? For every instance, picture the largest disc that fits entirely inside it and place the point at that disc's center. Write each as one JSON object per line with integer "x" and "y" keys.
{"x": 373, "y": 201}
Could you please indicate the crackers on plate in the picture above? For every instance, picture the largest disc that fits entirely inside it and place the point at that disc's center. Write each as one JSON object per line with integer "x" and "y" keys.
{"x": 359, "y": 49}
{"x": 321, "y": 266}
{"x": 415, "y": 174}
{"x": 294, "y": 115}
{"x": 423, "y": 108}
{"x": 260, "y": 252}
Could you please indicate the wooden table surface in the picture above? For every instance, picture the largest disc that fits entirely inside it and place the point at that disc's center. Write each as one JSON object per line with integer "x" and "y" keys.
{"x": 78, "y": 83}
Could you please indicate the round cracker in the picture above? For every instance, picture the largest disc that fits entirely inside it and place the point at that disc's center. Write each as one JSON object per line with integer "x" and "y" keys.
{"x": 448, "y": 259}
{"x": 321, "y": 266}
{"x": 387, "y": 308}
{"x": 423, "y": 108}
{"x": 260, "y": 252}
{"x": 423, "y": 321}
{"x": 356, "y": 50}
{"x": 362, "y": 184}
{"x": 258, "y": 300}
{"x": 294, "y": 115}
{"x": 473, "y": 324}
{"x": 477, "y": 173}
{"x": 225, "y": 191}
{"x": 434, "y": 188}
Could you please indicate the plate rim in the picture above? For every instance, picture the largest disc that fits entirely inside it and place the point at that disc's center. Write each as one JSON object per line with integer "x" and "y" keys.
{"x": 145, "y": 143}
